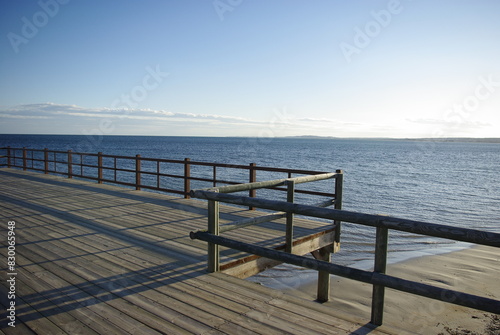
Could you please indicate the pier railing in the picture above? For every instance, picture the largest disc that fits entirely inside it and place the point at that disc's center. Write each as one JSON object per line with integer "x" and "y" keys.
{"x": 334, "y": 200}
{"x": 378, "y": 277}
{"x": 166, "y": 175}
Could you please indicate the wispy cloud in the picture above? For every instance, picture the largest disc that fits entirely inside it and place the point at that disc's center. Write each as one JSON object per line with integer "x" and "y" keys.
{"x": 452, "y": 123}
{"x": 61, "y": 118}
{"x": 52, "y": 118}
{"x": 52, "y": 110}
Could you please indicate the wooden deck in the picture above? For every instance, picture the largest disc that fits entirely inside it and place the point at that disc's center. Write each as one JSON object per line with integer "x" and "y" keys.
{"x": 100, "y": 259}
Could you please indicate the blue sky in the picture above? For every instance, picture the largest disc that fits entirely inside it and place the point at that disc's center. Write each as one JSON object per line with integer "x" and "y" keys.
{"x": 251, "y": 68}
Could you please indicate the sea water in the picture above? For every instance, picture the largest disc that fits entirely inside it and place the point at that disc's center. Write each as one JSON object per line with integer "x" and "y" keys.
{"x": 451, "y": 183}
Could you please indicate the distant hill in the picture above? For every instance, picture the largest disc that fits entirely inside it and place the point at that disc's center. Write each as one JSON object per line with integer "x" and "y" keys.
{"x": 436, "y": 139}
{"x": 457, "y": 139}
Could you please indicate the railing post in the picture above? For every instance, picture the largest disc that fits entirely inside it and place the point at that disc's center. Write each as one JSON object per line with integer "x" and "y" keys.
{"x": 215, "y": 176}
{"x": 25, "y": 155}
{"x": 99, "y": 167}
{"x": 137, "y": 172}
{"x": 70, "y": 164}
{"x": 158, "y": 174}
{"x": 290, "y": 194}
{"x": 114, "y": 168}
{"x": 46, "y": 160}
{"x": 339, "y": 182}
{"x": 213, "y": 228}
{"x": 323, "y": 293}
{"x": 8, "y": 157}
{"x": 380, "y": 267}
{"x": 187, "y": 176}
{"x": 252, "y": 178}
{"x": 324, "y": 254}
{"x": 81, "y": 165}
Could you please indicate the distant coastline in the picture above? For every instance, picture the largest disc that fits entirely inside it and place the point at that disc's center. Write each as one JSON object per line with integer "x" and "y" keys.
{"x": 458, "y": 139}
{"x": 429, "y": 139}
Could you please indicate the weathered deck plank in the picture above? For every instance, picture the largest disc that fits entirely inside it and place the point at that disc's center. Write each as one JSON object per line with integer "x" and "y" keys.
{"x": 102, "y": 259}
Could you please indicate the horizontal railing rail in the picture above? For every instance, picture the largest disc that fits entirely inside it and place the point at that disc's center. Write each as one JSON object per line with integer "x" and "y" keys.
{"x": 377, "y": 277}
{"x": 373, "y": 220}
{"x": 271, "y": 183}
{"x": 322, "y": 251}
{"x": 158, "y": 174}
{"x": 374, "y": 278}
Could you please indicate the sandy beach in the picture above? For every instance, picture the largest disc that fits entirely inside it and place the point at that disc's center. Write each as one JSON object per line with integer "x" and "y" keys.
{"x": 474, "y": 270}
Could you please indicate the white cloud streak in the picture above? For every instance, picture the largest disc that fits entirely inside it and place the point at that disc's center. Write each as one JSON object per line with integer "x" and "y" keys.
{"x": 51, "y": 118}
{"x": 51, "y": 110}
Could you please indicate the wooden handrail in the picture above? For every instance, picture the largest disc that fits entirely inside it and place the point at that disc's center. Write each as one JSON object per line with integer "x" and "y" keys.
{"x": 96, "y": 166}
{"x": 372, "y": 220}
{"x": 377, "y": 277}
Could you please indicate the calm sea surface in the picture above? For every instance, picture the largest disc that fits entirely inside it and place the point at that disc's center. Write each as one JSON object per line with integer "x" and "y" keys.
{"x": 440, "y": 182}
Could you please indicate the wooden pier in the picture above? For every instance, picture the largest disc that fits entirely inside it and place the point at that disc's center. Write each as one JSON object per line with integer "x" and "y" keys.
{"x": 94, "y": 258}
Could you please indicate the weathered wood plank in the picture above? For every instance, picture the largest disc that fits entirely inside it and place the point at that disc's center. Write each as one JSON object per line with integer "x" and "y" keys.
{"x": 120, "y": 261}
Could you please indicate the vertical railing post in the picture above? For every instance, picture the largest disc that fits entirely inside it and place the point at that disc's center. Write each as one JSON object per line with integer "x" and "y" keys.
{"x": 187, "y": 178}
{"x": 46, "y": 160}
{"x": 214, "y": 176}
{"x": 8, "y": 157}
{"x": 381, "y": 243}
{"x": 99, "y": 167}
{"x": 137, "y": 172}
{"x": 81, "y": 164}
{"x": 213, "y": 228}
{"x": 339, "y": 184}
{"x": 114, "y": 168}
{"x": 252, "y": 178}
{"x": 290, "y": 194}
{"x": 323, "y": 293}
{"x": 324, "y": 253}
{"x": 25, "y": 156}
{"x": 158, "y": 174}
{"x": 70, "y": 164}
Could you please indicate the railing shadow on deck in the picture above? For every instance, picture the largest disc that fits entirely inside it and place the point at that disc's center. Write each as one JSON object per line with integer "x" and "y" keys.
{"x": 232, "y": 214}
{"x": 102, "y": 290}
{"x": 182, "y": 265}
{"x": 125, "y": 233}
